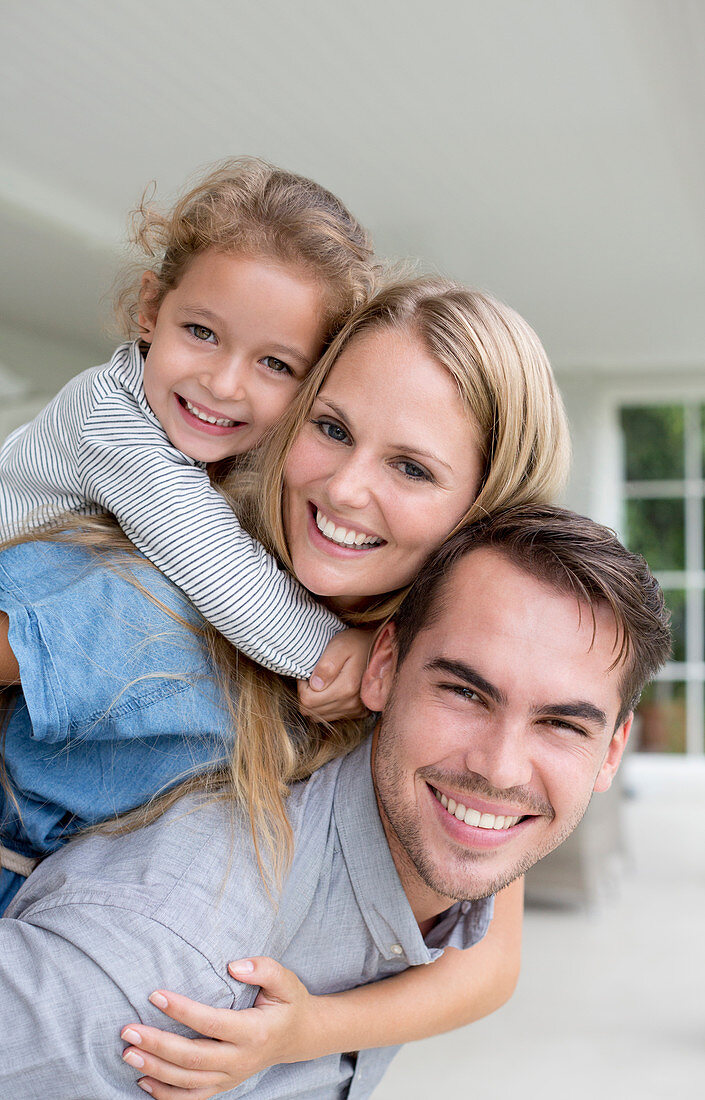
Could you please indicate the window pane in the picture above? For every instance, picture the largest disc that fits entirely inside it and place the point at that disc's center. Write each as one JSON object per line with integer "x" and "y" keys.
{"x": 660, "y": 718}
{"x": 675, "y": 601}
{"x": 655, "y": 529}
{"x": 653, "y": 442}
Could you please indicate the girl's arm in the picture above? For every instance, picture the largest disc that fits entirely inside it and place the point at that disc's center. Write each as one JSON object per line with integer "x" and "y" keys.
{"x": 287, "y": 1024}
{"x": 168, "y": 508}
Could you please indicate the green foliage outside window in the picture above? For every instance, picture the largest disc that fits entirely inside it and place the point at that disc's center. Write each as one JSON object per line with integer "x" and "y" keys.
{"x": 653, "y": 442}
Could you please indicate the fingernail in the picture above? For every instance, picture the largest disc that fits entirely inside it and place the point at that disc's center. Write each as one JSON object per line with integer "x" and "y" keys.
{"x": 316, "y": 683}
{"x": 145, "y": 1086}
{"x": 243, "y": 966}
{"x": 134, "y": 1058}
{"x": 159, "y": 1000}
{"x": 131, "y": 1036}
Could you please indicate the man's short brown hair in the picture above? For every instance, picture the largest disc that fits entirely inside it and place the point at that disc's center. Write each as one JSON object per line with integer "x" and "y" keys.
{"x": 571, "y": 554}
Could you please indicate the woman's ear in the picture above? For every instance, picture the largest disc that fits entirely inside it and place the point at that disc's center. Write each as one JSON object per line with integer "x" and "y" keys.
{"x": 381, "y": 667}
{"x": 148, "y": 305}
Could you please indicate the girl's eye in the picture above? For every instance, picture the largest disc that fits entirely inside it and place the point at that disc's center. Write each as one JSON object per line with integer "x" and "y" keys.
{"x": 276, "y": 365}
{"x": 332, "y": 430}
{"x": 200, "y": 332}
{"x": 413, "y": 471}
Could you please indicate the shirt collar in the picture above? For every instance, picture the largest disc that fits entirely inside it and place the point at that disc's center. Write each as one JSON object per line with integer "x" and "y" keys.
{"x": 375, "y": 879}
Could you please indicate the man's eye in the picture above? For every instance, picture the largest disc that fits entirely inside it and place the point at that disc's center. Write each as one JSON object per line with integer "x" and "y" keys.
{"x": 462, "y": 691}
{"x": 413, "y": 471}
{"x": 566, "y": 727}
{"x": 200, "y": 332}
{"x": 276, "y": 365}
{"x": 332, "y": 430}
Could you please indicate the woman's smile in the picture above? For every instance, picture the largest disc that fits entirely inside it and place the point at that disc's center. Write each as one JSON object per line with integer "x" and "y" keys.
{"x": 387, "y": 464}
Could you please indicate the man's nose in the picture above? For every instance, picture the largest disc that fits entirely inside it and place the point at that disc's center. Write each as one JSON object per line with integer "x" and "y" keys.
{"x": 500, "y": 753}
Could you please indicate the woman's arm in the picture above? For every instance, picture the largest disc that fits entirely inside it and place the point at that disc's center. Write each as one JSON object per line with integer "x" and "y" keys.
{"x": 287, "y": 1024}
{"x": 9, "y": 668}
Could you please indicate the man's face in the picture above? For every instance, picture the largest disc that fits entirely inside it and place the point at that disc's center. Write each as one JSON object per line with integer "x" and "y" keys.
{"x": 497, "y": 728}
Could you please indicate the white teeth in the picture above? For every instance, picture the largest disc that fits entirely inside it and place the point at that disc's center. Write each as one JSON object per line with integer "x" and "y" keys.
{"x": 222, "y": 421}
{"x": 344, "y": 536}
{"x": 472, "y": 817}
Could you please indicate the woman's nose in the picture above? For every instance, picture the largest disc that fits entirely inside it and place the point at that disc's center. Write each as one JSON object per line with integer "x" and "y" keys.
{"x": 352, "y": 483}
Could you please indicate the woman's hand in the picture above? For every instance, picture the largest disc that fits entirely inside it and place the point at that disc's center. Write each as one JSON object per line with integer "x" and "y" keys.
{"x": 280, "y": 1027}
{"x": 333, "y": 690}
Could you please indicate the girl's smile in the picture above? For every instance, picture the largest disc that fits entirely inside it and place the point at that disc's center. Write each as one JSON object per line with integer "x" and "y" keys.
{"x": 386, "y": 466}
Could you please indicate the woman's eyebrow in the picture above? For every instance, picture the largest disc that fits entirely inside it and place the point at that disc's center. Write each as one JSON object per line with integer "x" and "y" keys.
{"x": 418, "y": 452}
{"x": 333, "y": 408}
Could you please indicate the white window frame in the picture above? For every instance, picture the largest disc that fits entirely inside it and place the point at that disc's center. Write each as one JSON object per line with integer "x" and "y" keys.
{"x": 611, "y": 489}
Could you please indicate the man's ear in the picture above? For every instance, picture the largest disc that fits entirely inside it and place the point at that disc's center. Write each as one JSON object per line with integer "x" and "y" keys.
{"x": 614, "y": 755}
{"x": 148, "y": 305}
{"x": 379, "y": 674}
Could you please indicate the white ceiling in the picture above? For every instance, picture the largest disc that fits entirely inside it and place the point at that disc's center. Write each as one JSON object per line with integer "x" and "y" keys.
{"x": 551, "y": 151}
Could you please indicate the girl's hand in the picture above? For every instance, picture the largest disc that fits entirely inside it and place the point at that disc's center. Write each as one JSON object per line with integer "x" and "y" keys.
{"x": 279, "y": 1028}
{"x": 333, "y": 690}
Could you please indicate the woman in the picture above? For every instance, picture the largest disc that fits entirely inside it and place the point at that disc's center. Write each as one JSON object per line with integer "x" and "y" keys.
{"x": 432, "y": 406}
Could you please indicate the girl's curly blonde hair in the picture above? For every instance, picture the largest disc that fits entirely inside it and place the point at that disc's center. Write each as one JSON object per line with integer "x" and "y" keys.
{"x": 248, "y": 207}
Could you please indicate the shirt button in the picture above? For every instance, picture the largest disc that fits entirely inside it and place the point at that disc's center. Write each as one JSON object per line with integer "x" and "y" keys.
{"x": 397, "y": 949}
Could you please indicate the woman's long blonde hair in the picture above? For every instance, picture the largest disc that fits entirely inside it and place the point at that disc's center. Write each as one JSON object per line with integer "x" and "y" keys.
{"x": 508, "y": 389}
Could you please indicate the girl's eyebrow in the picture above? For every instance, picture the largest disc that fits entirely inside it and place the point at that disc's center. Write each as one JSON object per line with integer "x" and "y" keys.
{"x": 402, "y": 448}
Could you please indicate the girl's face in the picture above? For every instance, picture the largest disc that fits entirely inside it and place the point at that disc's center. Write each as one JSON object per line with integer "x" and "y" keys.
{"x": 386, "y": 466}
{"x": 229, "y": 347}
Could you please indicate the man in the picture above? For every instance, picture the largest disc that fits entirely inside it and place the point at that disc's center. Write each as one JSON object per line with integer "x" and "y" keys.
{"x": 505, "y": 688}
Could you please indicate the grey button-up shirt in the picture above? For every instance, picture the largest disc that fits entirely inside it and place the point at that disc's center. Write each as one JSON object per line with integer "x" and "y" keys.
{"x": 105, "y": 921}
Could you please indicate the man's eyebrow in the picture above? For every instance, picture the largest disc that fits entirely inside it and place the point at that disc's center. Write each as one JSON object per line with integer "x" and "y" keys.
{"x": 469, "y": 675}
{"x": 579, "y": 709}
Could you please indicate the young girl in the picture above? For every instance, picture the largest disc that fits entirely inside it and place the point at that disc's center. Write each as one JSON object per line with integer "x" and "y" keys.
{"x": 258, "y": 268}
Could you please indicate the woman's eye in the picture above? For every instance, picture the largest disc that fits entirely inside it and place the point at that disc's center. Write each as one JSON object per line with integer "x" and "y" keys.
{"x": 277, "y": 365}
{"x": 413, "y": 471}
{"x": 333, "y": 431}
{"x": 200, "y": 332}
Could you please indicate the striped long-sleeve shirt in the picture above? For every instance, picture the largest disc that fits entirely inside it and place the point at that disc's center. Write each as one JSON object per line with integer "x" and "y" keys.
{"x": 98, "y": 447}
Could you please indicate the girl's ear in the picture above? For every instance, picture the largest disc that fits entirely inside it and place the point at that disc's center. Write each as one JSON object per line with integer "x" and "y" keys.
{"x": 379, "y": 674}
{"x": 148, "y": 307}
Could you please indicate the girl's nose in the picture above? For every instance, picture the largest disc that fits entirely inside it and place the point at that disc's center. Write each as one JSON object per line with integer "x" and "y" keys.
{"x": 227, "y": 379}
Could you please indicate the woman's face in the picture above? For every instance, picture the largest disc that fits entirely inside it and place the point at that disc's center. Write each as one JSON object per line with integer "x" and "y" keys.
{"x": 387, "y": 464}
